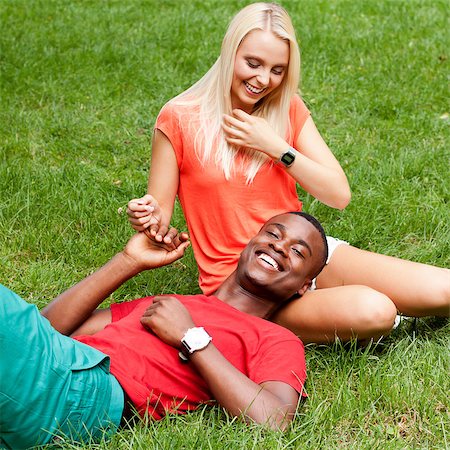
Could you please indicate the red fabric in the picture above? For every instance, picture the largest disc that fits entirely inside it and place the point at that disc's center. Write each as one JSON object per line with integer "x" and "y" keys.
{"x": 152, "y": 374}
{"x": 213, "y": 206}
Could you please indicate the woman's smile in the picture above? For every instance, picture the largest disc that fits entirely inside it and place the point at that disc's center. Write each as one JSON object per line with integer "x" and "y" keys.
{"x": 259, "y": 68}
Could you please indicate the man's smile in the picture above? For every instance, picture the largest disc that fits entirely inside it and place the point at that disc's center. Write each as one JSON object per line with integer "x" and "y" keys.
{"x": 267, "y": 260}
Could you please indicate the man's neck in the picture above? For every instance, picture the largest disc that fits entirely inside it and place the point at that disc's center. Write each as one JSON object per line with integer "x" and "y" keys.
{"x": 233, "y": 294}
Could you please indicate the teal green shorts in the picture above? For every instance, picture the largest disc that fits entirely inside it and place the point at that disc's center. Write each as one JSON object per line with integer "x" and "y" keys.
{"x": 51, "y": 386}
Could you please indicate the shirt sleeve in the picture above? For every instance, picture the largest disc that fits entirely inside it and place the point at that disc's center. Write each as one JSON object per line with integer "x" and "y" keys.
{"x": 168, "y": 122}
{"x": 121, "y": 310}
{"x": 283, "y": 360}
{"x": 298, "y": 114}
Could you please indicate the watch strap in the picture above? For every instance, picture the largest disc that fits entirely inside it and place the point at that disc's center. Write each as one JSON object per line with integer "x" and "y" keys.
{"x": 183, "y": 354}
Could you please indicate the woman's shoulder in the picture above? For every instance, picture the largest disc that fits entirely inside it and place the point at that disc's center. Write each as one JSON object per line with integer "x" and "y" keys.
{"x": 297, "y": 104}
{"x": 177, "y": 108}
{"x": 298, "y": 114}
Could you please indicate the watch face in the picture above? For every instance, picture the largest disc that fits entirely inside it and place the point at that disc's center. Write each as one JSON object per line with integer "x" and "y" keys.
{"x": 196, "y": 339}
{"x": 288, "y": 158}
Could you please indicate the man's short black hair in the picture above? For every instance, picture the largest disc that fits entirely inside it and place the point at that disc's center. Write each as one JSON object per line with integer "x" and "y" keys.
{"x": 311, "y": 219}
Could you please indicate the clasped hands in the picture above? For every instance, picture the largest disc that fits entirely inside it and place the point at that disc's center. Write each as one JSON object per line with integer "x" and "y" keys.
{"x": 159, "y": 244}
{"x": 146, "y": 215}
{"x": 155, "y": 246}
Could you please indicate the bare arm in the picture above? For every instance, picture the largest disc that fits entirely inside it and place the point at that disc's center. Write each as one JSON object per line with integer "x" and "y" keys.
{"x": 69, "y": 311}
{"x": 95, "y": 322}
{"x": 317, "y": 170}
{"x": 74, "y": 306}
{"x": 272, "y": 403}
{"x": 162, "y": 187}
{"x": 315, "y": 167}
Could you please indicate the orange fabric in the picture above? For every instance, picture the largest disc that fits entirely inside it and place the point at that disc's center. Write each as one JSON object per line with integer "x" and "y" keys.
{"x": 223, "y": 215}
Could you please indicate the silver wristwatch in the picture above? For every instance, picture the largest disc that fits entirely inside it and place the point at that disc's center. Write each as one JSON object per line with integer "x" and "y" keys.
{"x": 288, "y": 157}
{"x": 194, "y": 339}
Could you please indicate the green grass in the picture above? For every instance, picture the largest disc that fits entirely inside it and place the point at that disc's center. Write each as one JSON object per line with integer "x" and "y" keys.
{"x": 81, "y": 83}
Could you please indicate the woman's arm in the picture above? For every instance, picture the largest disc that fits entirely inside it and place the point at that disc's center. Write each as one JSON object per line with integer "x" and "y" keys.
{"x": 162, "y": 186}
{"x": 315, "y": 168}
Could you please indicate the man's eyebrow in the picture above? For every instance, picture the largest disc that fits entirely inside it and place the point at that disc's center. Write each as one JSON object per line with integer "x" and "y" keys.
{"x": 305, "y": 244}
{"x": 281, "y": 227}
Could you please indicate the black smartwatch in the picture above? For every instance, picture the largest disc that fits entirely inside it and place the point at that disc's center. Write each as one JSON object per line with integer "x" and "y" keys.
{"x": 288, "y": 157}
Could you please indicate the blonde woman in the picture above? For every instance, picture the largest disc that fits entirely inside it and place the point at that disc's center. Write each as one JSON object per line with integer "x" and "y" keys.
{"x": 233, "y": 147}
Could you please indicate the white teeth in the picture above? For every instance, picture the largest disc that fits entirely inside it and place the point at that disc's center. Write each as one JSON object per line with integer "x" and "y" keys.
{"x": 269, "y": 260}
{"x": 253, "y": 89}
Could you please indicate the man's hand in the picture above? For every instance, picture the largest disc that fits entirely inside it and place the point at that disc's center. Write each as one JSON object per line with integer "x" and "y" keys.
{"x": 272, "y": 403}
{"x": 147, "y": 253}
{"x": 168, "y": 318}
{"x": 74, "y": 307}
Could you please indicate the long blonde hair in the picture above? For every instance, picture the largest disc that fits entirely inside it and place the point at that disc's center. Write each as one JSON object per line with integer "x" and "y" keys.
{"x": 212, "y": 93}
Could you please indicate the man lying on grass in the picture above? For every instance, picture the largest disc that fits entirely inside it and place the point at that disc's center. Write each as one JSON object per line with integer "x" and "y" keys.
{"x": 163, "y": 354}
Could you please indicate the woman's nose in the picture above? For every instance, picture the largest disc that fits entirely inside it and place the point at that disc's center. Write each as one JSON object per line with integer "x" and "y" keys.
{"x": 263, "y": 77}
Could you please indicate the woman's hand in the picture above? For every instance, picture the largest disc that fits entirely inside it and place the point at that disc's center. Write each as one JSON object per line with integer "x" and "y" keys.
{"x": 145, "y": 215}
{"x": 244, "y": 130}
{"x": 315, "y": 168}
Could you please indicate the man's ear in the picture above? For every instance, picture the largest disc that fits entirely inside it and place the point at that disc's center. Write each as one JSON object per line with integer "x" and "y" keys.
{"x": 306, "y": 285}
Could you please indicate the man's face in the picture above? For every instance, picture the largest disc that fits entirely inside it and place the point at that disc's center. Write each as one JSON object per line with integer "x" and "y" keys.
{"x": 279, "y": 260}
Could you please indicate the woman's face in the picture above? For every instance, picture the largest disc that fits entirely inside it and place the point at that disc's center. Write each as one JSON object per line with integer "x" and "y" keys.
{"x": 259, "y": 68}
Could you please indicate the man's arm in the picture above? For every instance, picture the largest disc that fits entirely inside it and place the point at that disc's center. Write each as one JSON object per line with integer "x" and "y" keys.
{"x": 73, "y": 307}
{"x": 94, "y": 323}
{"x": 272, "y": 403}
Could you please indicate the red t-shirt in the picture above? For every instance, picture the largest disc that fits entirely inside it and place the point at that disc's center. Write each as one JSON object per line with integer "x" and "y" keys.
{"x": 223, "y": 215}
{"x": 155, "y": 379}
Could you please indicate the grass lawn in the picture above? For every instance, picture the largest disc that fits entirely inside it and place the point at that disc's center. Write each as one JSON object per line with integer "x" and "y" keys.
{"x": 81, "y": 83}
